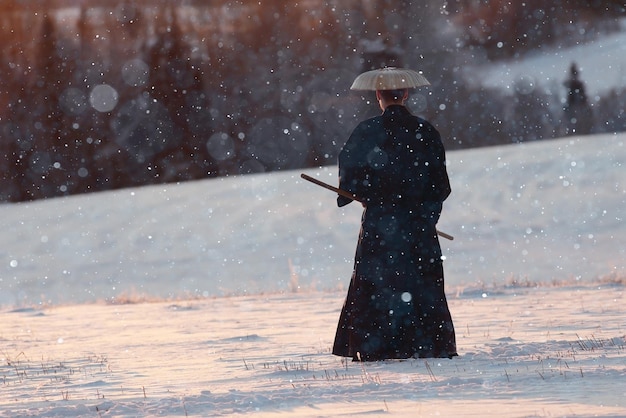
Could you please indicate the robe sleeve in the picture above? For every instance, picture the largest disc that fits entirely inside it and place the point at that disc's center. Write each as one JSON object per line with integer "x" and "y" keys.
{"x": 354, "y": 170}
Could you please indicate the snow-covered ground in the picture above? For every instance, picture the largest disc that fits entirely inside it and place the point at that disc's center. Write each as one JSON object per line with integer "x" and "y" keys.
{"x": 246, "y": 278}
{"x": 524, "y": 352}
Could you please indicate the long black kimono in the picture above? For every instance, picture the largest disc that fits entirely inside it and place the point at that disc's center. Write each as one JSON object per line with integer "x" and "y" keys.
{"x": 396, "y": 306}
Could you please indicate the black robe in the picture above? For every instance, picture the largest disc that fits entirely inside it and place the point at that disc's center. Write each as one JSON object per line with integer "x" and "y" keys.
{"x": 396, "y": 306}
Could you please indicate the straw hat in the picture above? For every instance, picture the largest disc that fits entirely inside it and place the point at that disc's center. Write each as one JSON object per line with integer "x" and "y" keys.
{"x": 389, "y": 78}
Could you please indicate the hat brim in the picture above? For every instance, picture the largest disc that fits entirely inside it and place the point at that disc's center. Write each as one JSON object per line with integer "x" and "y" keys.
{"x": 389, "y": 78}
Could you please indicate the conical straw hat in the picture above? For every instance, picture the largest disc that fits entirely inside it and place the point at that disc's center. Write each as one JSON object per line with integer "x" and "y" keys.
{"x": 389, "y": 78}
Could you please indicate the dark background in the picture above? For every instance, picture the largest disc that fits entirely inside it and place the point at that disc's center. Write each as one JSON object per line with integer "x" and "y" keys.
{"x": 104, "y": 94}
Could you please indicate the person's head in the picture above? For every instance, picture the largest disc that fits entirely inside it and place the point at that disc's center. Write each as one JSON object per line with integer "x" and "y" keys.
{"x": 389, "y": 97}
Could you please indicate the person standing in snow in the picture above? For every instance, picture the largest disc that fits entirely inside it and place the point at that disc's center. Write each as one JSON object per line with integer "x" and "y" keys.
{"x": 395, "y": 164}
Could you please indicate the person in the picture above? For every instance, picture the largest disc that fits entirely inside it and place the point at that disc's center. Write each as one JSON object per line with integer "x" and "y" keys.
{"x": 395, "y": 307}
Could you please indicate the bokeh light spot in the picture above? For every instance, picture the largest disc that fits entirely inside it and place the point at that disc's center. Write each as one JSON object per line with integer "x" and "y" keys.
{"x": 103, "y": 98}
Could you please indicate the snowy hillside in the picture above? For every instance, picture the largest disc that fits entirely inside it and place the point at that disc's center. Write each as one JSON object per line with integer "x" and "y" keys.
{"x": 542, "y": 211}
{"x": 602, "y": 64}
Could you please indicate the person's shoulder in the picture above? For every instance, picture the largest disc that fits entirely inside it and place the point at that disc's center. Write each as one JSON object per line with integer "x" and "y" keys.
{"x": 371, "y": 122}
{"x": 367, "y": 126}
{"x": 424, "y": 125}
{"x": 423, "y": 122}
{"x": 367, "y": 132}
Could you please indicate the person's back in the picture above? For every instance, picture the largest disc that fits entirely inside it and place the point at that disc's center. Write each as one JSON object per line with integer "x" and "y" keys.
{"x": 396, "y": 163}
{"x": 416, "y": 171}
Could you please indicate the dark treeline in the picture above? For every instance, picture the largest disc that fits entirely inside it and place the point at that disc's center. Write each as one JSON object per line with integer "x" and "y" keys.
{"x": 99, "y": 98}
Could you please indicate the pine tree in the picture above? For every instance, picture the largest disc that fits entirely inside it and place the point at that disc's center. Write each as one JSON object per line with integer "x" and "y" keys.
{"x": 577, "y": 113}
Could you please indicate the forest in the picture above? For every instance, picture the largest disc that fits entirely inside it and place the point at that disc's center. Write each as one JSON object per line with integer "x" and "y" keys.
{"x": 102, "y": 95}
